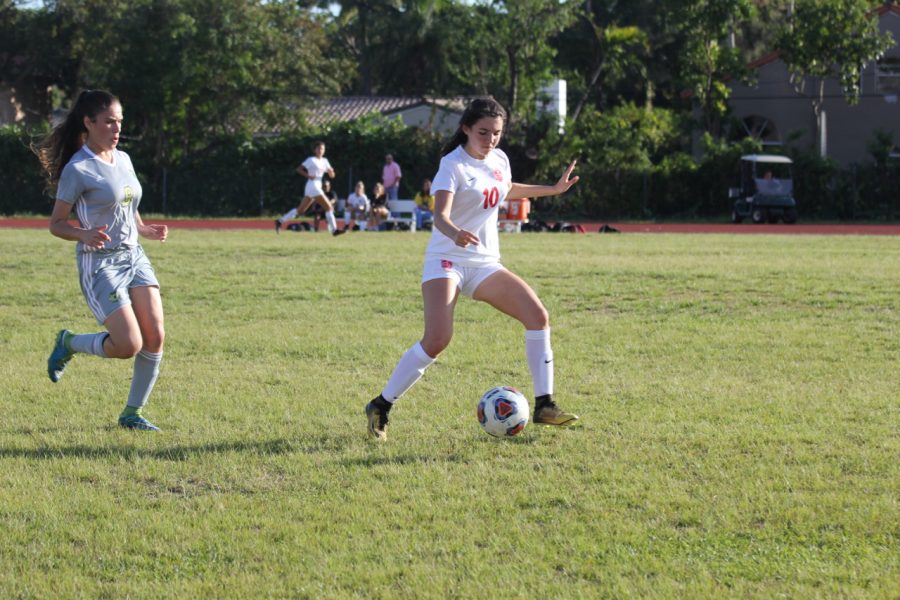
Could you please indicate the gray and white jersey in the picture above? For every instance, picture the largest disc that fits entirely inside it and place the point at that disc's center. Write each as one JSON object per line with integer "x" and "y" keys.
{"x": 103, "y": 194}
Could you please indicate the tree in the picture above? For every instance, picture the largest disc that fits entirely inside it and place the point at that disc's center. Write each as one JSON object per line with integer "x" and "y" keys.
{"x": 190, "y": 70}
{"x": 709, "y": 59}
{"x": 617, "y": 50}
{"x": 515, "y": 43}
{"x": 395, "y": 44}
{"x": 34, "y": 55}
{"x": 830, "y": 39}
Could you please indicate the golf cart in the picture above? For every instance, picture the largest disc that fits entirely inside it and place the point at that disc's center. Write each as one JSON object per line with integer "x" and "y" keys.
{"x": 767, "y": 190}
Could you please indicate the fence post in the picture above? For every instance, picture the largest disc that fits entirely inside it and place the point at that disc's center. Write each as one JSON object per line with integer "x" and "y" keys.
{"x": 165, "y": 191}
{"x": 262, "y": 190}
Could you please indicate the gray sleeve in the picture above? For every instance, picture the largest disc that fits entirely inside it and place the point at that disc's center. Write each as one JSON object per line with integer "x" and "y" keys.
{"x": 70, "y": 185}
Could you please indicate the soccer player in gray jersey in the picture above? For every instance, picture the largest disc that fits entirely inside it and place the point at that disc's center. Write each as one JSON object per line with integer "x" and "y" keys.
{"x": 98, "y": 182}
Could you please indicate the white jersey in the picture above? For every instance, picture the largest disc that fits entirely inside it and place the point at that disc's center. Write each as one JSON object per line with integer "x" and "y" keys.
{"x": 316, "y": 167}
{"x": 478, "y": 188}
{"x": 360, "y": 203}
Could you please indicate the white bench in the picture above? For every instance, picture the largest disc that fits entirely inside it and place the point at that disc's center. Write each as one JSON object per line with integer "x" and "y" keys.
{"x": 402, "y": 211}
{"x": 511, "y": 225}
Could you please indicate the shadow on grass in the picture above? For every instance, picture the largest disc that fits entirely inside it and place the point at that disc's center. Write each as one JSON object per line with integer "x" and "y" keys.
{"x": 402, "y": 459}
{"x": 177, "y": 453}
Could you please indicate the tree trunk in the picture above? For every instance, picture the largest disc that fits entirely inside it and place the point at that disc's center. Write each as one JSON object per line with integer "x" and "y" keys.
{"x": 587, "y": 92}
{"x": 513, "y": 95}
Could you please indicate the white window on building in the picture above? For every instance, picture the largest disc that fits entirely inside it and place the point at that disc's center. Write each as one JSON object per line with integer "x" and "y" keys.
{"x": 762, "y": 129}
{"x": 887, "y": 75}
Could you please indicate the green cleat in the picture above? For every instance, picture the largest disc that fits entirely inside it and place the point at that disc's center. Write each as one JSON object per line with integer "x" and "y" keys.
{"x": 59, "y": 357}
{"x": 138, "y": 422}
{"x": 550, "y": 414}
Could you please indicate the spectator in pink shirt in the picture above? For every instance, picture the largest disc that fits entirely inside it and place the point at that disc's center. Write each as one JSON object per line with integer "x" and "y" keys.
{"x": 390, "y": 176}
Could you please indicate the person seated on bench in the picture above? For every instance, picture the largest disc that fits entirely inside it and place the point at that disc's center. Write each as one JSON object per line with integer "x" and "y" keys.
{"x": 357, "y": 207}
{"x": 379, "y": 211}
{"x": 424, "y": 205}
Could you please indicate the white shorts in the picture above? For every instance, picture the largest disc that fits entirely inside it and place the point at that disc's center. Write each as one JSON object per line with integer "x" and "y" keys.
{"x": 467, "y": 278}
{"x": 313, "y": 188}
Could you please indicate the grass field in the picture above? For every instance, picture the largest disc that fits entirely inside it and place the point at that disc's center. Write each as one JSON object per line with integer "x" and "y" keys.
{"x": 738, "y": 399}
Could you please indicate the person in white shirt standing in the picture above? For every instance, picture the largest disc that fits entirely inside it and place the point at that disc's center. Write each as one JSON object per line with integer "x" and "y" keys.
{"x": 464, "y": 256}
{"x": 314, "y": 168}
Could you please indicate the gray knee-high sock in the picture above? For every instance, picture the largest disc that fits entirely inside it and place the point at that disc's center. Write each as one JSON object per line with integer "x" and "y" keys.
{"x": 88, "y": 343}
{"x": 146, "y": 370}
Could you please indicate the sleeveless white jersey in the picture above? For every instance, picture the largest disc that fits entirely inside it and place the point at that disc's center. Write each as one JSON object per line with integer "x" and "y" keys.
{"x": 478, "y": 187}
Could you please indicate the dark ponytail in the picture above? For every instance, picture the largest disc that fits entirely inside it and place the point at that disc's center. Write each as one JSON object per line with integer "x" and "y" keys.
{"x": 66, "y": 139}
{"x": 475, "y": 111}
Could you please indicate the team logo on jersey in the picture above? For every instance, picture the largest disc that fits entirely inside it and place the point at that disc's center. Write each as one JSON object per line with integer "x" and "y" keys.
{"x": 114, "y": 297}
{"x": 446, "y": 264}
{"x": 128, "y": 195}
{"x": 498, "y": 174}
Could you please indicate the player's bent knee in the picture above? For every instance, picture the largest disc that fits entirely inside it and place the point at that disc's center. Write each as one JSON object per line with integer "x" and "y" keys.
{"x": 538, "y": 319}
{"x": 124, "y": 350}
{"x": 435, "y": 345}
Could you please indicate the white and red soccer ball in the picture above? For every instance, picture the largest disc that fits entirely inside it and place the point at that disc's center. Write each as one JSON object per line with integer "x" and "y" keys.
{"x": 503, "y": 411}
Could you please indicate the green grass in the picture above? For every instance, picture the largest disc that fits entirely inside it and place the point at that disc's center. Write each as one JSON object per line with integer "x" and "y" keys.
{"x": 739, "y": 438}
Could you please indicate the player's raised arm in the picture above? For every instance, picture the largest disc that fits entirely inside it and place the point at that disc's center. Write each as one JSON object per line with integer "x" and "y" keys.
{"x": 518, "y": 191}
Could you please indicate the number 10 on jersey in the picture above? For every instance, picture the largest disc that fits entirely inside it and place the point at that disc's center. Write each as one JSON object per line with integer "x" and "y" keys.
{"x": 491, "y": 197}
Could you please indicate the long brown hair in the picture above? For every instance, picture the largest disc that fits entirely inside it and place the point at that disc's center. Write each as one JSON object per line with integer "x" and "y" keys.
{"x": 55, "y": 150}
{"x": 475, "y": 111}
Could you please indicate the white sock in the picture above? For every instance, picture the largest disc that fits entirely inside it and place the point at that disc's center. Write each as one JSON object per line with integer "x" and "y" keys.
{"x": 288, "y": 215}
{"x": 332, "y": 223}
{"x": 89, "y": 343}
{"x": 146, "y": 370}
{"x": 408, "y": 371}
{"x": 540, "y": 360}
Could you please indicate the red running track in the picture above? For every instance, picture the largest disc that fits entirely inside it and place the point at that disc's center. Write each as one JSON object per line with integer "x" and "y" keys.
{"x": 839, "y": 229}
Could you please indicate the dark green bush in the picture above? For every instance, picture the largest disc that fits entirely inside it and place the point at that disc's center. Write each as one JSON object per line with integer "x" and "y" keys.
{"x": 21, "y": 178}
{"x": 632, "y": 165}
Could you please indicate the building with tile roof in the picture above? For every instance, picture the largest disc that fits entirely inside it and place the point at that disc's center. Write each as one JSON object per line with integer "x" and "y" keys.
{"x": 440, "y": 115}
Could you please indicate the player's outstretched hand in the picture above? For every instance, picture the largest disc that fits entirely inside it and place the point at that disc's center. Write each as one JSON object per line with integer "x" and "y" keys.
{"x": 564, "y": 183}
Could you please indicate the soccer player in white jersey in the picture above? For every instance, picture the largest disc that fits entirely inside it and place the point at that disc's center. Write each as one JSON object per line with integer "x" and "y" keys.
{"x": 464, "y": 256}
{"x": 97, "y": 181}
{"x": 313, "y": 169}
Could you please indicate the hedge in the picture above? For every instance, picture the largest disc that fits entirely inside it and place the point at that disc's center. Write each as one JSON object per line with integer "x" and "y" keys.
{"x": 256, "y": 177}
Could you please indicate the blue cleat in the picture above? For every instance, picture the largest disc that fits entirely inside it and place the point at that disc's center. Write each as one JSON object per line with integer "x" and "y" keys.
{"x": 137, "y": 422}
{"x": 60, "y": 356}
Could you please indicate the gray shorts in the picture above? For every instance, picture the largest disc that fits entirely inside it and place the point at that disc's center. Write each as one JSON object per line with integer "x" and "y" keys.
{"x": 107, "y": 276}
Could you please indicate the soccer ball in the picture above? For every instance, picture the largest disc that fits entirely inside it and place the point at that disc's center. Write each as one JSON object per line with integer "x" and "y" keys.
{"x": 503, "y": 411}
